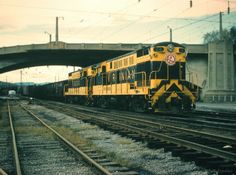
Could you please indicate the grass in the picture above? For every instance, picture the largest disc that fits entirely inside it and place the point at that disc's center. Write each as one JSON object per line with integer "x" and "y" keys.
{"x": 72, "y": 136}
{"x": 78, "y": 140}
{"x": 119, "y": 159}
{"x": 37, "y": 131}
{"x": 86, "y": 127}
{"x": 123, "y": 141}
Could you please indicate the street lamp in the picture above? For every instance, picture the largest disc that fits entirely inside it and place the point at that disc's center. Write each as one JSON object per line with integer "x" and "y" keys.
{"x": 57, "y": 32}
{"x": 170, "y": 33}
{"x": 50, "y": 36}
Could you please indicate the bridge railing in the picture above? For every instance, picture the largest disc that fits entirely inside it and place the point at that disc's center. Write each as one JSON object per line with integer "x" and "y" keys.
{"x": 22, "y": 48}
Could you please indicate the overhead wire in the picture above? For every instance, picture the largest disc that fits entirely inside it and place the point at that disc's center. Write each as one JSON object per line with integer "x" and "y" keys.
{"x": 178, "y": 28}
{"x": 125, "y": 12}
{"x": 206, "y": 28}
{"x": 148, "y": 15}
{"x": 109, "y": 14}
{"x": 135, "y": 21}
{"x": 78, "y": 11}
{"x": 196, "y": 28}
{"x": 171, "y": 19}
{"x": 193, "y": 33}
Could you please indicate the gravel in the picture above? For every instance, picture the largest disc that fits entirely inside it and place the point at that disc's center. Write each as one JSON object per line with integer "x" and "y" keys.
{"x": 124, "y": 150}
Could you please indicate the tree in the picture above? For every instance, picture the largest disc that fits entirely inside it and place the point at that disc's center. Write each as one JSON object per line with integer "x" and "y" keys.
{"x": 233, "y": 34}
{"x": 214, "y": 36}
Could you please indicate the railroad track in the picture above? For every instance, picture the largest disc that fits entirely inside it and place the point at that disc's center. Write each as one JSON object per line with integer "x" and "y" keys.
{"x": 207, "y": 150}
{"x": 44, "y": 151}
{"x": 208, "y": 120}
{"x": 6, "y": 150}
{"x": 200, "y": 120}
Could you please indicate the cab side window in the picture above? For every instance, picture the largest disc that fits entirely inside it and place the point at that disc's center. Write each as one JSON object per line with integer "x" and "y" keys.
{"x": 142, "y": 52}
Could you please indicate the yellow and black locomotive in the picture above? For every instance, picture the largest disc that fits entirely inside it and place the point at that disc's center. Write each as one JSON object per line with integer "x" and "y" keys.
{"x": 151, "y": 78}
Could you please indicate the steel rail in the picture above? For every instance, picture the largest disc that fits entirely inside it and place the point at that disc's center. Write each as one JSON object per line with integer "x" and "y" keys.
{"x": 147, "y": 122}
{"x": 17, "y": 161}
{"x": 191, "y": 145}
{"x": 85, "y": 156}
{"x": 186, "y": 119}
{"x": 2, "y": 172}
{"x": 229, "y": 114}
{"x": 205, "y": 134}
{"x": 205, "y": 116}
{"x": 180, "y": 118}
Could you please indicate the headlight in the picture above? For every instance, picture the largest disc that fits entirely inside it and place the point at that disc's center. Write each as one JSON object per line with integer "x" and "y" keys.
{"x": 170, "y": 47}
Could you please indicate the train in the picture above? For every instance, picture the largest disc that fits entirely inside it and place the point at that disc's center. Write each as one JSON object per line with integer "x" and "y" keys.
{"x": 151, "y": 78}
{"x": 48, "y": 91}
{"x": 148, "y": 79}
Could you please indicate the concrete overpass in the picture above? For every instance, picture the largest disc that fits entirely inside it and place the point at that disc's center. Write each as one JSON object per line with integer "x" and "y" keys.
{"x": 83, "y": 54}
{"x": 80, "y": 54}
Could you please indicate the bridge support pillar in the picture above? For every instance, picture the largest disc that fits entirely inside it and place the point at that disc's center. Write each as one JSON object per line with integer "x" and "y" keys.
{"x": 221, "y": 75}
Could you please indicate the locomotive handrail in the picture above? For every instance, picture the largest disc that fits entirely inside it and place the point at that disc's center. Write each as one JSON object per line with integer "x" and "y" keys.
{"x": 154, "y": 71}
{"x": 159, "y": 69}
{"x": 86, "y": 84}
{"x": 103, "y": 73}
{"x": 142, "y": 73}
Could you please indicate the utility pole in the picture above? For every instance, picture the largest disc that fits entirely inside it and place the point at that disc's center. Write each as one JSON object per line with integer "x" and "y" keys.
{"x": 221, "y": 28}
{"x": 228, "y": 7}
{"x": 57, "y": 30}
{"x": 170, "y": 33}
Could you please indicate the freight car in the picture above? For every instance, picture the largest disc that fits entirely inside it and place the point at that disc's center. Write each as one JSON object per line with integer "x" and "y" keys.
{"x": 51, "y": 91}
{"x": 151, "y": 78}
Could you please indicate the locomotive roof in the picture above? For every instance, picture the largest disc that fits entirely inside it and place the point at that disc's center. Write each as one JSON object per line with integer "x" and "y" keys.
{"x": 166, "y": 44}
{"x": 132, "y": 52}
{"x": 157, "y": 44}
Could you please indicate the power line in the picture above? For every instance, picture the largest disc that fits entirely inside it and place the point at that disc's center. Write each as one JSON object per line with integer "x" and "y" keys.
{"x": 81, "y": 11}
{"x": 183, "y": 12}
{"x": 163, "y": 23}
{"x": 180, "y": 27}
{"x": 117, "y": 12}
{"x": 205, "y": 25}
{"x": 196, "y": 31}
{"x": 133, "y": 22}
{"x": 186, "y": 25}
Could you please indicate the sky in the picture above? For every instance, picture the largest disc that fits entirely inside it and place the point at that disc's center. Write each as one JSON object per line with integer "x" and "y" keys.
{"x": 106, "y": 21}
